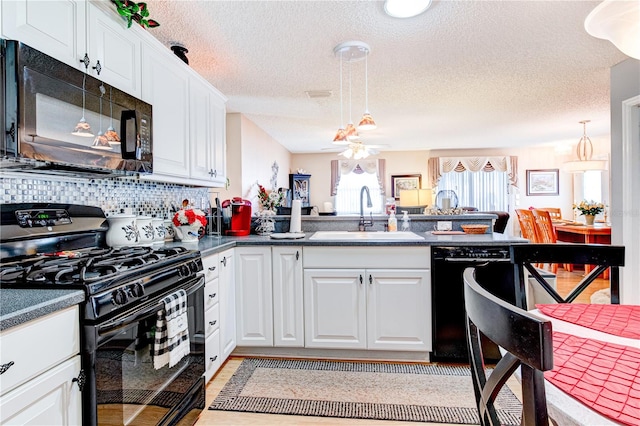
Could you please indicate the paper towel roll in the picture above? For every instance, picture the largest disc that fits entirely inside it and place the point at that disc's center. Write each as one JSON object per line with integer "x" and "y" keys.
{"x": 328, "y": 206}
{"x": 296, "y": 211}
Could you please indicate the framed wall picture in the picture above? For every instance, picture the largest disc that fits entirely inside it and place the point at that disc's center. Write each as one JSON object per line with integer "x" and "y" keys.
{"x": 400, "y": 182}
{"x": 542, "y": 182}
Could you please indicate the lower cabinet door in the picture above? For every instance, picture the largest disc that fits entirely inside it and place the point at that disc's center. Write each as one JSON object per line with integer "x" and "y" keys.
{"x": 51, "y": 398}
{"x": 335, "y": 309}
{"x": 212, "y": 359}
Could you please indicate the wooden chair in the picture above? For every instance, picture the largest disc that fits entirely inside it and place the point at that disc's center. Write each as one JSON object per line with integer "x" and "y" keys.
{"x": 547, "y": 234}
{"x": 525, "y": 256}
{"x": 554, "y": 212}
{"x": 527, "y": 341}
{"x": 528, "y": 225}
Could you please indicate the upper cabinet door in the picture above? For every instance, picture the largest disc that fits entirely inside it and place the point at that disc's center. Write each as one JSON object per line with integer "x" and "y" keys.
{"x": 219, "y": 134}
{"x": 114, "y": 51}
{"x": 201, "y": 143}
{"x": 52, "y": 27}
{"x": 166, "y": 87}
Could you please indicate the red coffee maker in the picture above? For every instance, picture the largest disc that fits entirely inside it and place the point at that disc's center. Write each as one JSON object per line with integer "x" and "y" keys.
{"x": 236, "y": 214}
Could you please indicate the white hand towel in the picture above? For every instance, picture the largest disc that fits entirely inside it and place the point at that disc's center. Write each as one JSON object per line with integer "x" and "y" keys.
{"x": 171, "y": 341}
{"x": 295, "y": 225}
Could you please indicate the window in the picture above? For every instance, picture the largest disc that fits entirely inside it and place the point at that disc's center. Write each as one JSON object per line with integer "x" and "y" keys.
{"x": 486, "y": 191}
{"x": 592, "y": 185}
{"x": 348, "y": 193}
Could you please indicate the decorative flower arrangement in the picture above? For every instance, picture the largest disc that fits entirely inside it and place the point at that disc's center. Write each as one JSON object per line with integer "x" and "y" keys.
{"x": 189, "y": 217}
{"x": 269, "y": 200}
{"x": 133, "y": 11}
{"x": 589, "y": 208}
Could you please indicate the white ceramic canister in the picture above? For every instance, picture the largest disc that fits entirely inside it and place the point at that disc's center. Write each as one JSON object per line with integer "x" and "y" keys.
{"x": 169, "y": 233}
{"x": 158, "y": 229}
{"x": 145, "y": 227}
{"x": 123, "y": 231}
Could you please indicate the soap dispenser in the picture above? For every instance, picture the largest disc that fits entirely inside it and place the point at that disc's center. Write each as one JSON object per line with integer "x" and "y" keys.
{"x": 406, "y": 221}
{"x": 393, "y": 222}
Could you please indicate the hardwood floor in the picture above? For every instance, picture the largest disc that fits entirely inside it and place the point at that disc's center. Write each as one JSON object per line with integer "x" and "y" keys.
{"x": 565, "y": 282}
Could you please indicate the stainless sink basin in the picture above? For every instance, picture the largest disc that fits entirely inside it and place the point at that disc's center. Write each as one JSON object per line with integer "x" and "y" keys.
{"x": 366, "y": 236}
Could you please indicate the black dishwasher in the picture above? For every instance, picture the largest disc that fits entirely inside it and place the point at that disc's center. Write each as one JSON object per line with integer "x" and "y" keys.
{"x": 494, "y": 271}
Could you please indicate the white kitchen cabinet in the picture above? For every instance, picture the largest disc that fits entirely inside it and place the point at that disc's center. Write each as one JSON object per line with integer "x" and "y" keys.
{"x": 38, "y": 387}
{"x": 67, "y": 29}
{"x": 255, "y": 300}
{"x": 32, "y": 22}
{"x": 207, "y": 133}
{"x": 166, "y": 88}
{"x": 227, "y": 280}
{"x": 383, "y": 302}
{"x": 288, "y": 300}
{"x": 211, "y": 316}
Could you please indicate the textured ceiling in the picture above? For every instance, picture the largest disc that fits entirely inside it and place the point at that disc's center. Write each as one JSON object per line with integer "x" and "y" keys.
{"x": 464, "y": 74}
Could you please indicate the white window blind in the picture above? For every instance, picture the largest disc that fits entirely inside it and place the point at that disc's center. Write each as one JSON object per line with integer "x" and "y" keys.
{"x": 486, "y": 191}
{"x": 348, "y": 194}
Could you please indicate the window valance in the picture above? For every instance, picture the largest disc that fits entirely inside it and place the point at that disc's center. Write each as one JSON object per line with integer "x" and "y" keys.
{"x": 344, "y": 167}
{"x": 437, "y": 166}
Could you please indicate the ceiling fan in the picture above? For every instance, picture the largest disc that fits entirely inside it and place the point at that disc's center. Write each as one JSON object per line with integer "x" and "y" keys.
{"x": 356, "y": 149}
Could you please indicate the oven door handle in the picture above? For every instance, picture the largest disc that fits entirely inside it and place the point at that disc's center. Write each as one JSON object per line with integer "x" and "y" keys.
{"x": 120, "y": 322}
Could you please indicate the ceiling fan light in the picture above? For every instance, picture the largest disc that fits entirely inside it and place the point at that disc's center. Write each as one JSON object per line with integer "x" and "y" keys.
{"x": 404, "y": 8}
{"x": 367, "y": 122}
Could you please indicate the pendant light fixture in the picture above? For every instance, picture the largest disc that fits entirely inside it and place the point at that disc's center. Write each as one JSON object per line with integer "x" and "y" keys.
{"x": 352, "y": 51}
{"x": 101, "y": 142}
{"x": 83, "y": 128}
{"x": 111, "y": 134}
{"x": 367, "y": 122}
{"x": 584, "y": 152}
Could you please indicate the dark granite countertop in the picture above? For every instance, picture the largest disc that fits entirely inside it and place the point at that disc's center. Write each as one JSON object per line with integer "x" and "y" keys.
{"x": 18, "y": 306}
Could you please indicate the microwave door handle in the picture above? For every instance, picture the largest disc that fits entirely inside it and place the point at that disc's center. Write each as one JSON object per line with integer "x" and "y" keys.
{"x": 111, "y": 326}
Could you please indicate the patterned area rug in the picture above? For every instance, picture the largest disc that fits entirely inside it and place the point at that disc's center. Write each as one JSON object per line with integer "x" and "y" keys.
{"x": 381, "y": 391}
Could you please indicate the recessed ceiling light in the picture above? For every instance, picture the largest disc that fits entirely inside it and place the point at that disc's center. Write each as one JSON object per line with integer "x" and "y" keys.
{"x": 405, "y": 8}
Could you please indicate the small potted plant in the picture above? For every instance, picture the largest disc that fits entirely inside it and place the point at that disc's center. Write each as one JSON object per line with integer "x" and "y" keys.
{"x": 589, "y": 209}
{"x": 133, "y": 11}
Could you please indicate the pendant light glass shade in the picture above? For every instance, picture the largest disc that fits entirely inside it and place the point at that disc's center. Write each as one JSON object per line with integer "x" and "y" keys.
{"x": 367, "y": 122}
{"x": 351, "y": 132}
{"x": 584, "y": 152}
{"x": 111, "y": 134}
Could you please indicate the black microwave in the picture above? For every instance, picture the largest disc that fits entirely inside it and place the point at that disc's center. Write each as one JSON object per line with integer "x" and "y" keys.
{"x": 59, "y": 119}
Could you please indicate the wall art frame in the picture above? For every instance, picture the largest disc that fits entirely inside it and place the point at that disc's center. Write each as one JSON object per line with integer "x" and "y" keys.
{"x": 543, "y": 182}
{"x": 400, "y": 182}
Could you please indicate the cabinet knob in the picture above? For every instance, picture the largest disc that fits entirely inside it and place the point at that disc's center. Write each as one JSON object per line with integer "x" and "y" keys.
{"x": 360, "y": 278}
{"x": 81, "y": 380}
{"x": 224, "y": 261}
{"x": 370, "y": 279}
{"x": 86, "y": 61}
{"x": 5, "y": 367}
{"x": 297, "y": 255}
{"x": 98, "y": 67}
{"x": 212, "y": 295}
{"x": 213, "y": 173}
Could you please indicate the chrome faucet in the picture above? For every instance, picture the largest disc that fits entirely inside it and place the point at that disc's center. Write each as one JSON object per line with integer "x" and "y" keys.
{"x": 362, "y": 225}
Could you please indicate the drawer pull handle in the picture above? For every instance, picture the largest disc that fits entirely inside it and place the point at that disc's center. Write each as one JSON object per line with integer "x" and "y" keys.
{"x": 5, "y": 367}
{"x": 370, "y": 279}
{"x": 297, "y": 255}
{"x": 211, "y": 296}
{"x": 212, "y": 268}
{"x": 213, "y": 322}
{"x": 213, "y": 358}
{"x": 81, "y": 380}
{"x": 360, "y": 278}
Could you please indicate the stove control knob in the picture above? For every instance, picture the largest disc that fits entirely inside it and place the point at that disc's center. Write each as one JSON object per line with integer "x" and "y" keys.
{"x": 183, "y": 270}
{"x": 136, "y": 290}
{"x": 194, "y": 267}
{"x": 119, "y": 297}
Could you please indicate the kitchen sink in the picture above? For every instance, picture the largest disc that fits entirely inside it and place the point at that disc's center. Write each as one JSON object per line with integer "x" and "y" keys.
{"x": 368, "y": 236}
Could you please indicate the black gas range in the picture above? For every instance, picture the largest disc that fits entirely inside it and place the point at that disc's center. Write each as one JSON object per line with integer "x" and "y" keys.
{"x": 52, "y": 245}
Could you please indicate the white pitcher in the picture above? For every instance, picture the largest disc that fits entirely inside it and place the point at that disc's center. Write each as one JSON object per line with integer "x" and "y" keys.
{"x": 187, "y": 233}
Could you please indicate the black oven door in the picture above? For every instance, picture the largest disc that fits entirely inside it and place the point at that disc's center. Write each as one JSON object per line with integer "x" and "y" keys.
{"x": 123, "y": 387}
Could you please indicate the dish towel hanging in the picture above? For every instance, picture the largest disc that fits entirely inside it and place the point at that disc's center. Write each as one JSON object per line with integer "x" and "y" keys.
{"x": 171, "y": 341}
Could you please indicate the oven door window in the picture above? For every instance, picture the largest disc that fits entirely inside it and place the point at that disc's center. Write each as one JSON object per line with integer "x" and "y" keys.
{"x": 129, "y": 389}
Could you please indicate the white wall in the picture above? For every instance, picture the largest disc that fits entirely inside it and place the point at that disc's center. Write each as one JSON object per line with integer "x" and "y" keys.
{"x": 251, "y": 153}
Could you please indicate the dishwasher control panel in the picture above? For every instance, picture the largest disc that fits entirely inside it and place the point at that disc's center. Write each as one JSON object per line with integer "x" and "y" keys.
{"x": 466, "y": 252}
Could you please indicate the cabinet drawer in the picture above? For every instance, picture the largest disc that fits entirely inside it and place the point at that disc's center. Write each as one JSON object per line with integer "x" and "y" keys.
{"x": 212, "y": 319}
{"x": 212, "y": 360}
{"x": 211, "y": 294}
{"x": 366, "y": 257}
{"x": 38, "y": 345}
{"x": 211, "y": 267}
